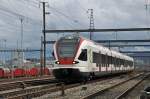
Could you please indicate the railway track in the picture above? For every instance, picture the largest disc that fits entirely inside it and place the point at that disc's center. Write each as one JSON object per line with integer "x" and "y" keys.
{"x": 25, "y": 83}
{"x": 137, "y": 92}
{"x": 18, "y": 93}
{"x": 125, "y": 93}
{"x": 119, "y": 90}
{"x": 23, "y": 78}
{"x": 56, "y": 91}
{"x": 36, "y": 91}
{"x": 81, "y": 91}
{"x": 33, "y": 91}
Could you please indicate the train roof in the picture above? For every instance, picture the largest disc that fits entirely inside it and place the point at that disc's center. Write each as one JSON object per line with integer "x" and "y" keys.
{"x": 110, "y": 52}
{"x": 104, "y": 50}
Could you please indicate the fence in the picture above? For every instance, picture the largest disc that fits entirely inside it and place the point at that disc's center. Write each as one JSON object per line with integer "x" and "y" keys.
{"x": 24, "y": 62}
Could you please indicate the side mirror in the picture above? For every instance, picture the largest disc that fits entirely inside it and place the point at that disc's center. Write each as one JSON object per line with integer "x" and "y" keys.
{"x": 53, "y": 53}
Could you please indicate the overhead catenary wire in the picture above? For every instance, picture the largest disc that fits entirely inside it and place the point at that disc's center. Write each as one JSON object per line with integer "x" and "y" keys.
{"x": 32, "y": 3}
{"x": 11, "y": 25}
{"x": 2, "y": 8}
{"x": 61, "y": 19}
{"x": 76, "y": 7}
{"x": 9, "y": 13}
{"x": 74, "y": 21}
{"x": 66, "y": 16}
{"x": 79, "y": 4}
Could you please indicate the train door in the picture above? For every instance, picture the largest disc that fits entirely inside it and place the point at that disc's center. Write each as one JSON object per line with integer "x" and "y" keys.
{"x": 109, "y": 67}
{"x": 106, "y": 62}
{"x": 90, "y": 58}
{"x": 103, "y": 62}
{"x": 115, "y": 64}
{"x": 111, "y": 63}
{"x": 100, "y": 61}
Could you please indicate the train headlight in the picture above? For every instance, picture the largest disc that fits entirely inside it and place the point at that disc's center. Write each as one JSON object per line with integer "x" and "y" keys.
{"x": 57, "y": 62}
{"x": 75, "y": 62}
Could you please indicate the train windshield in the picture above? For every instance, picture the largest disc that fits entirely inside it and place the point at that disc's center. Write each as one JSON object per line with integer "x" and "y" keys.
{"x": 67, "y": 47}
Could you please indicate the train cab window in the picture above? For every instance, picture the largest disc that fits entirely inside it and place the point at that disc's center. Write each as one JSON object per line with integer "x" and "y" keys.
{"x": 66, "y": 47}
{"x": 83, "y": 55}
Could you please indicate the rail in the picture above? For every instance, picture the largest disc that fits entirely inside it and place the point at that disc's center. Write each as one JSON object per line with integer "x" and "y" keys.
{"x": 97, "y": 93}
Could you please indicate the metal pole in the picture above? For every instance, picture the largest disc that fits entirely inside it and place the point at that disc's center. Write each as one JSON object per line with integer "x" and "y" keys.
{"x": 12, "y": 67}
{"x": 21, "y": 20}
{"x": 41, "y": 56}
{"x": 91, "y": 24}
{"x": 5, "y": 52}
{"x": 44, "y": 34}
{"x": 1, "y": 47}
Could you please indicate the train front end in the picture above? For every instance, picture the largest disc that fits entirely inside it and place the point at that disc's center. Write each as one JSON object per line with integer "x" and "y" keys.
{"x": 65, "y": 50}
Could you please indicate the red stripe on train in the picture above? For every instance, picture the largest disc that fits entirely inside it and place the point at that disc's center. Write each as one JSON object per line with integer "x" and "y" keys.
{"x": 66, "y": 61}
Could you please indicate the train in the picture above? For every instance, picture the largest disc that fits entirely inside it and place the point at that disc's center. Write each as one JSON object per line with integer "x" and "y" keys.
{"x": 78, "y": 58}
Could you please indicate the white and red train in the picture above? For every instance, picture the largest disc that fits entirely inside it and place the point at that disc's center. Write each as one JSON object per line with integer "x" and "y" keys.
{"x": 78, "y": 58}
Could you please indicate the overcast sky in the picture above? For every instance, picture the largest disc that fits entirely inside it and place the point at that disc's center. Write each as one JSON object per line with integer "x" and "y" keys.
{"x": 71, "y": 14}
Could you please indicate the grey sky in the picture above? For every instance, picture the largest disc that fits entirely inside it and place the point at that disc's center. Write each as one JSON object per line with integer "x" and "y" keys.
{"x": 70, "y": 14}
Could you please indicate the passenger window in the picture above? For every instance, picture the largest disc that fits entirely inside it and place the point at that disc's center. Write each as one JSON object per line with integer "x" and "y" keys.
{"x": 96, "y": 57}
{"x": 83, "y": 55}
